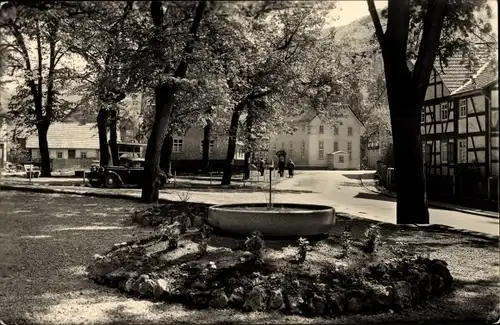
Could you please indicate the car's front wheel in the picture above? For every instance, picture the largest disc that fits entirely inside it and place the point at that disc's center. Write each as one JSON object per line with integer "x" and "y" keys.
{"x": 111, "y": 181}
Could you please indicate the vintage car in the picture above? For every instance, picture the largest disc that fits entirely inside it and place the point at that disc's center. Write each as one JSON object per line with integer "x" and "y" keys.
{"x": 129, "y": 172}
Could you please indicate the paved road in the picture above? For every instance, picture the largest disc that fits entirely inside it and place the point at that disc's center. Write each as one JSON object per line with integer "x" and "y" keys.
{"x": 345, "y": 191}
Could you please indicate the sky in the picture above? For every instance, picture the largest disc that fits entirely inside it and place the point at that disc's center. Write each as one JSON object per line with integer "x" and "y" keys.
{"x": 349, "y": 10}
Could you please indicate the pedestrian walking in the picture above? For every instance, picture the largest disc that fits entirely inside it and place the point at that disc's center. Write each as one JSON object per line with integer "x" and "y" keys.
{"x": 291, "y": 167}
{"x": 261, "y": 166}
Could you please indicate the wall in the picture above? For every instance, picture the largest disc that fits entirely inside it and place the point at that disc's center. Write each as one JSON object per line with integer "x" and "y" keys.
{"x": 292, "y": 144}
{"x": 192, "y": 149}
{"x": 329, "y": 138}
{"x": 91, "y": 153}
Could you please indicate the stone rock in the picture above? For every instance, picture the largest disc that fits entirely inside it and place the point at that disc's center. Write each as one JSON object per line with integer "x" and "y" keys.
{"x": 147, "y": 287}
{"x": 219, "y": 299}
{"x": 295, "y": 304}
{"x": 354, "y": 305}
{"x": 198, "y": 285}
{"x": 440, "y": 267}
{"x": 437, "y": 283}
{"x": 256, "y": 299}
{"x": 425, "y": 284}
{"x": 276, "y": 299}
{"x": 402, "y": 294}
{"x": 200, "y": 299}
{"x": 116, "y": 276}
{"x": 319, "y": 304}
{"x": 381, "y": 295}
{"x": 100, "y": 268}
{"x": 336, "y": 303}
{"x": 236, "y": 299}
{"x": 127, "y": 285}
{"x": 161, "y": 288}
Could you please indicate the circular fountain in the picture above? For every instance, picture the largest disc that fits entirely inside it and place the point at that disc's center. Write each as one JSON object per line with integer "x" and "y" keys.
{"x": 280, "y": 219}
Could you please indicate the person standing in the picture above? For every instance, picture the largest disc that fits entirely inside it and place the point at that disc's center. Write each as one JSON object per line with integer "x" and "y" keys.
{"x": 291, "y": 167}
{"x": 261, "y": 166}
{"x": 281, "y": 166}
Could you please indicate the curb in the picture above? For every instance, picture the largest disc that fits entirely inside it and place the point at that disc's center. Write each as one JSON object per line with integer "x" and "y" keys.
{"x": 433, "y": 204}
{"x": 127, "y": 196}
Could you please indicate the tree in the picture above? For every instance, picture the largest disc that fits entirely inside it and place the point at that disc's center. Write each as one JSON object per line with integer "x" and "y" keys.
{"x": 442, "y": 27}
{"x": 164, "y": 100}
{"x": 36, "y": 30}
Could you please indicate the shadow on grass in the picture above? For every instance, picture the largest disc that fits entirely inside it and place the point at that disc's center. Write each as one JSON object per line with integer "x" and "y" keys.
{"x": 46, "y": 283}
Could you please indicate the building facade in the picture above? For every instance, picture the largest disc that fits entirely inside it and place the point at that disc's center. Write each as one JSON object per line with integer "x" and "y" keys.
{"x": 317, "y": 144}
{"x": 459, "y": 127}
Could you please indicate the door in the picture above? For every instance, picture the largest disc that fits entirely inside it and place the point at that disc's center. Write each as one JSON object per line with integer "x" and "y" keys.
{"x": 71, "y": 154}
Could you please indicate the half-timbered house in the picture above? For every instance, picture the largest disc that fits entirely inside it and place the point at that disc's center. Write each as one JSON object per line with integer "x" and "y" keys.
{"x": 459, "y": 126}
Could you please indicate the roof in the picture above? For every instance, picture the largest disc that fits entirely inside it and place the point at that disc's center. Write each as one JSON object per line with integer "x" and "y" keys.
{"x": 484, "y": 77}
{"x": 68, "y": 136}
{"x": 456, "y": 74}
{"x": 310, "y": 115}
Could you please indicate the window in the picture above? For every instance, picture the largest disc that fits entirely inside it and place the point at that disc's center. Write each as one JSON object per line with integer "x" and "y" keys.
{"x": 349, "y": 150}
{"x": 177, "y": 145}
{"x": 444, "y": 152}
{"x": 422, "y": 115}
{"x": 321, "y": 150}
{"x": 462, "y": 107}
{"x": 210, "y": 148}
{"x": 303, "y": 150}
{"x": 428, "y": 152}
{"x": 444, "y": 111}
{"x": 341, "y": 159}
{"x": 336, "y": 130}
{"x": 83, "y": 154}
{"x": 335, "y": 146}
{"x": 349, "y": 130}
{"x": 451, "y": 152}
{"x": 321, "y": 129}
{"x": 462, "y": 151}
{"x": 303, "y": 128}
{"x": 282, "y": 146}
{"x": 59, "y": 154}
{"x": 290, "y": 145}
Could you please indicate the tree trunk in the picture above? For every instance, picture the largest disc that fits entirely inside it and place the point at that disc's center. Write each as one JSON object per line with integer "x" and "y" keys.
{"x": 231, "y": 147}
{"x": 102, "y": 118}
{"x": 248, "y": 152}
{"x": 164, "y": 103}
{"x": 166, "y": 154}
{"x": 43, "y": 144}
{"x": 207, "y": 130}
{"x": 113, "y": 137}
{"x": 408, "y": 163}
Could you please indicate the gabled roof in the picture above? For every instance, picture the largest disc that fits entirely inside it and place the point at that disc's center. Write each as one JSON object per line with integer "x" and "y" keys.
{"x": 456, "y": 74}
{"x": 310, "y": 115}
{"x": 69, "y": 136}
{"x": 484, "y": 77}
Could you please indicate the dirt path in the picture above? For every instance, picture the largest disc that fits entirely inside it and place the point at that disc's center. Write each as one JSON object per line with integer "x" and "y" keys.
{"x": 47, "y": 240}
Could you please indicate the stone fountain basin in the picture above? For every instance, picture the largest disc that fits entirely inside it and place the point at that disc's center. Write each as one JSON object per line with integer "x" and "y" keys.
{"x": 284, "y": 219}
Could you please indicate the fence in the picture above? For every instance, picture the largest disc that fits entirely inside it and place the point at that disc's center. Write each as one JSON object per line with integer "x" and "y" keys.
{"x": 464, "y": 189}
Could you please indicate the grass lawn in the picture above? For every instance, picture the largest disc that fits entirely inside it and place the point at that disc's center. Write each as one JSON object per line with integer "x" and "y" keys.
{"x": 47, "y": 241}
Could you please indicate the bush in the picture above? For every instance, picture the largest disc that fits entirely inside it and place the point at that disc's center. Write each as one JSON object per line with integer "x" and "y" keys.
{"x": 372, "y": 239}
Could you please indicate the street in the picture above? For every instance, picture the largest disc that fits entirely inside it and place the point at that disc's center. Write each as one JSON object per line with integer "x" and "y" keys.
{"x": 344, "y": 191}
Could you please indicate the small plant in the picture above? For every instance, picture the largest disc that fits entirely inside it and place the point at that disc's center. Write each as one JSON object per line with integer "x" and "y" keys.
{"x": 255, "y": 245}
{"x": 346, "y": 242}
{"x": 184, "y": 196}
{"x": 206, "y": 233}
{"x": 372, "y": 239}
{"x": 183, "y": 219}
{"x": 303, "y": 248}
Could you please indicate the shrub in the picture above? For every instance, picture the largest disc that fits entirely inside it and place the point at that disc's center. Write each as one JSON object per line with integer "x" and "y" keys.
{"x": 206, "y": 234}
{"x": 255, "y": 245}
{"x": 303, "y": 247}
{"x": 372, "y": 239}
{"x": 346, "y": 241}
